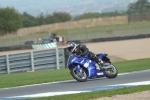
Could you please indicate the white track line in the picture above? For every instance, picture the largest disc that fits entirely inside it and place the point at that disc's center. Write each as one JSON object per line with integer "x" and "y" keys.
{"x": 72, "y": 80}
{"x": 74, "y": 92}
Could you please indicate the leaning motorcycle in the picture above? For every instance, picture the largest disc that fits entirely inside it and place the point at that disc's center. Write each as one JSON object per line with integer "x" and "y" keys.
{"x": 82, "y": 68}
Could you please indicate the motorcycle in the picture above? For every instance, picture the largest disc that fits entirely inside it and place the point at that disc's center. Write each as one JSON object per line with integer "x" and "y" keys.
{"x": 82, "y": 68}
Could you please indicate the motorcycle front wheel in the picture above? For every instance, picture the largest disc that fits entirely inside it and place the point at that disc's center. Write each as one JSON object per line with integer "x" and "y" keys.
{"x": 111, "y": 73}
{"x": 80, "y": 76}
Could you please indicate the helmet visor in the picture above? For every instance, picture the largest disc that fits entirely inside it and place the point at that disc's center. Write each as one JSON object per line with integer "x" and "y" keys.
{"x": 70, "y": 48}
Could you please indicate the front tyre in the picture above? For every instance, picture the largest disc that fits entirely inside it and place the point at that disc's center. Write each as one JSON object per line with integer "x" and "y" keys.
{"x": 79, "y": 76}
{"x": 111, "y": 72}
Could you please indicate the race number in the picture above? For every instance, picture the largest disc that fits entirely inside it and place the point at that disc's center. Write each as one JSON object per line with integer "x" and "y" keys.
{"x": 87, "y": 63}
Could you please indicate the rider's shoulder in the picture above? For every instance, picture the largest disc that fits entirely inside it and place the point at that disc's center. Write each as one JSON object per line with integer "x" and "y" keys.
{"x": 82, "y": 45}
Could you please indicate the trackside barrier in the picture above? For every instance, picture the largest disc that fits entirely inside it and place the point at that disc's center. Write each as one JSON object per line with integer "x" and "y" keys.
{"x": 45, "y": 46}
{"x": 32, "y": 61}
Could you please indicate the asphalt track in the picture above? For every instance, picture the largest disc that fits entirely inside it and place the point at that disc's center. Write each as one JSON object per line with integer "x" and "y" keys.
{"x": 73, "y": 85}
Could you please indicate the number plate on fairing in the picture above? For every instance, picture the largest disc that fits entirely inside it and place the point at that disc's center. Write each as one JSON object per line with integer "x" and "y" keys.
{"x": 101, "y": 73}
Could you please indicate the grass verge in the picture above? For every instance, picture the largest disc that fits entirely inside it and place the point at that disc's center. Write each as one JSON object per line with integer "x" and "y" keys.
{"x": 20, "y": 79}
{"x": 96, "y": 94}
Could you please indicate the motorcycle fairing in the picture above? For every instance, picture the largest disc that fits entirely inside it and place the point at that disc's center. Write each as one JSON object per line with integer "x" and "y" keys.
{"x": 101, "y": 55}
{"x": 87, "y": 63}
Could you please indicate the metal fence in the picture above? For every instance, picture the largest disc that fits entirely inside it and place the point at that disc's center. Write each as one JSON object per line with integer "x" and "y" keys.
{"x": 32, "y": 61}
{"x": 83, "y": 33}
{"x": 139, "y": 17}
{"x": 121, "y": 30}
{"x": 83, "y": 30}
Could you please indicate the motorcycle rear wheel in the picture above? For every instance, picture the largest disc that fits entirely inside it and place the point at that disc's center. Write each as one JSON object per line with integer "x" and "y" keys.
{"x": 79, "y": 76}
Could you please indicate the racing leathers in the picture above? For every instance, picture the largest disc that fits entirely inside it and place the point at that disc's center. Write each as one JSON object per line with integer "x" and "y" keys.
{"x": 82, "y": 50}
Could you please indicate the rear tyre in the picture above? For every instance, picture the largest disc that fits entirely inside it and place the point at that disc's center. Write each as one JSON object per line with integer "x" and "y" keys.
{"x": 79, "y": 76}
{"x": 111, "y": 73}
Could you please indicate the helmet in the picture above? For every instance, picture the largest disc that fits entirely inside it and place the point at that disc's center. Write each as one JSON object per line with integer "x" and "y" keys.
{"x": 71, "y": 46}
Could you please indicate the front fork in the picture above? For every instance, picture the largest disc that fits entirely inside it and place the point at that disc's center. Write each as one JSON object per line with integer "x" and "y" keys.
{"x": 78, "y": 68}
{"x": 107, "y": 67}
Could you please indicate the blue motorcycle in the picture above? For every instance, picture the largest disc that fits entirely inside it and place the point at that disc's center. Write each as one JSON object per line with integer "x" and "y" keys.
{"x": 82, "y": 68}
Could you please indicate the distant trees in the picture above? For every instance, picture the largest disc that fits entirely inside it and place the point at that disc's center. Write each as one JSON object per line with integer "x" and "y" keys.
{"x": 56, "y": 17}
{"x": 61, "y": 16}
{"x": 96, "y": 15}
{"x": 41, "y": 19}
{"x": 10, "y": 20}
{"x": 28, "y": 20}
{"x": 87, "y": 15}
{"x": 141, "y": 6}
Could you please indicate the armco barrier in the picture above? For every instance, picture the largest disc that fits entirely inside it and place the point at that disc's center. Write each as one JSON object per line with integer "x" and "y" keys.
{"x": 45, "y": 46}
{"x": 32, "y": 61}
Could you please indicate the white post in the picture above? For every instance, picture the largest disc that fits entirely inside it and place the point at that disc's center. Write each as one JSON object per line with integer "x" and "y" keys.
{"x": 7, "y": 61}
{"x": 57, "y": 58}
{"x": 32, "y": 61}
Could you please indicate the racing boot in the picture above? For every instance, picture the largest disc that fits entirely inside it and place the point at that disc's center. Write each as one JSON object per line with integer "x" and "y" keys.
{"x": 97, "y": 67}
{"x": 100, "y": 63}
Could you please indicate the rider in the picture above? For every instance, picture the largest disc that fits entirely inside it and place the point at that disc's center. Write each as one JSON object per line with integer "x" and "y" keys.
{"x": 82, "y": 50}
